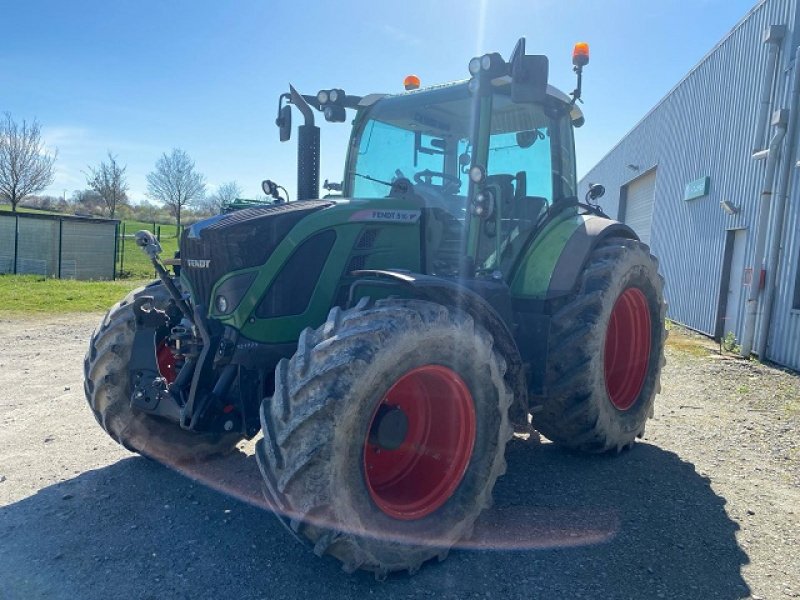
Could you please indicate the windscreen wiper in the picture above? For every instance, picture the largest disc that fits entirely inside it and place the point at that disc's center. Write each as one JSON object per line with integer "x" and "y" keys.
{"x": 369, "y": 178}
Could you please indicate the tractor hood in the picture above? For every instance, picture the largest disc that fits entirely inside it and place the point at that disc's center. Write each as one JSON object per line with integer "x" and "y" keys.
{"x": 235, "y": 241}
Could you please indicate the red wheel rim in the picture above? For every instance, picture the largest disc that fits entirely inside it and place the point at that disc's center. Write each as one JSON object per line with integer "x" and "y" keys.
{"x": 419, "y": 476}
{"x": 627, "y": 350}
{"x": 166, "y": 362}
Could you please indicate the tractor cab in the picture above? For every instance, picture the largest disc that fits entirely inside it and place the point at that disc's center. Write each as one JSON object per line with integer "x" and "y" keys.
{"x": 485, "y": 158}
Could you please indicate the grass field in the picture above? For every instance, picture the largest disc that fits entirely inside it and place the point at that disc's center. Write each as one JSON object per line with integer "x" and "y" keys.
{"x": 131, "y": 261}
{"x": 25, "y": 209}
{"x": 30, "y": 295}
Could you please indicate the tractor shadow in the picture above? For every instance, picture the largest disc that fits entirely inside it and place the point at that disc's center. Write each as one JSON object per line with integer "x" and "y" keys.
{"x": 641, "y": 525}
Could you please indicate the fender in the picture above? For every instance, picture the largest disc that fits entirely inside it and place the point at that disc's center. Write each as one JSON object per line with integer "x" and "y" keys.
{"x": 577, "y": 250}
{"x": 486, "y": 301}
{"x": 553, "y": 259}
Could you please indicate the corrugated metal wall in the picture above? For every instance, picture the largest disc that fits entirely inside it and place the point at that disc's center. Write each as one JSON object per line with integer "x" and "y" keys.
{"x": 705, "y": 127}
{"x": 87, "y": 248}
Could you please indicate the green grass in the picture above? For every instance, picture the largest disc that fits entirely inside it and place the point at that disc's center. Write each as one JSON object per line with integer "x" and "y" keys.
{"x": 25, "y": 209}
{"x": 26, "y": 295}
{"x": 134, "y": 263}
{"x": 132, "y": 226}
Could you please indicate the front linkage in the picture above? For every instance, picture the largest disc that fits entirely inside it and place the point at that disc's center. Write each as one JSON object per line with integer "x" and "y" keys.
{"x": 186, "y": 370}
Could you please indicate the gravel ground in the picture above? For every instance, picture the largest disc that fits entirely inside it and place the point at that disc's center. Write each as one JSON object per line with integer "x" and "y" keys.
{"x": 706, "y": 506}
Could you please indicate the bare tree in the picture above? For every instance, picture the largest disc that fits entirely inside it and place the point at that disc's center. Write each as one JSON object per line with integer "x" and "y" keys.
{"x": 87, "y": 202}
{"x": 108, "y": 181}
{"x": 176, "y": 183}
{"x": 225, "y": 194}
{"x": 25, "y": 166}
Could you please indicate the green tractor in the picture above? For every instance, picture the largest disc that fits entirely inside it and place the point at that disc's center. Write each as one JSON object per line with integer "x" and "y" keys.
{"x": 388, "y": 341}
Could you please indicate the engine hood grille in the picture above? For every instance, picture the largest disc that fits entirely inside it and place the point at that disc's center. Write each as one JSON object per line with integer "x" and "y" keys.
{"x": 238, "y": 240}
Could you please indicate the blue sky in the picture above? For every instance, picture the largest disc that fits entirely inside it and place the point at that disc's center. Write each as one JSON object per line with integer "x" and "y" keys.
{"x": 141, "y": 77}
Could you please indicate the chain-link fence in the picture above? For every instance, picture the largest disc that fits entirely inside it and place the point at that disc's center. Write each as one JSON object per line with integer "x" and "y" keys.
{"x": 58, "y": 246}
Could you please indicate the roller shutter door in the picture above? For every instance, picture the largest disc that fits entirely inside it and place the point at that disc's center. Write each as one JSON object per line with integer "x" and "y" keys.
{"x": 639, "y": 205}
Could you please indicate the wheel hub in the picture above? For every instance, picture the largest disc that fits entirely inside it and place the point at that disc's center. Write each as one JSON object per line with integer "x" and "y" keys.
{"x": 389, "y": 428}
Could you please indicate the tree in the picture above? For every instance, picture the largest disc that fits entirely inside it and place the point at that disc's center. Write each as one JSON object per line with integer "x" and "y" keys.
{"x": 25, "y": 166}
{"x": 146, "y": 211}
{"x": 108, "y": 182}
{"x": 87, "y": 202}
{"x": 225, "y": 194}
{"x": 176, "y": 183}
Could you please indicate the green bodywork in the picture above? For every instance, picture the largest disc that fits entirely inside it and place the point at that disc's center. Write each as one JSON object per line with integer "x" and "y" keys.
{"x": 532, "y": 279}
{"x": 397, "y": 247}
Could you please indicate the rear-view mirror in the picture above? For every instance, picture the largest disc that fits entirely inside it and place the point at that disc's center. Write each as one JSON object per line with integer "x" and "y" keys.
{"x": 529, "y": 79}
{"x": 284, "y": 122}
{"x": 528, "y": 75}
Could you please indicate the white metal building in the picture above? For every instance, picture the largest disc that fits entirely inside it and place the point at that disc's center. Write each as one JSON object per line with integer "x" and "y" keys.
{"x": 710, "y": 179}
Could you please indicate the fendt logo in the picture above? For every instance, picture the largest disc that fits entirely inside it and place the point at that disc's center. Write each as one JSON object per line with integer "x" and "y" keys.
{"x": 197, "y": 264}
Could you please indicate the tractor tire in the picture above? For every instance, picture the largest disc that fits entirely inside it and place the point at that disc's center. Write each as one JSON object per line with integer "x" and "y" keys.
{"x": 386, "y": 434}
{"x": 606, "y": 352}
{"x": 108, "y": 392}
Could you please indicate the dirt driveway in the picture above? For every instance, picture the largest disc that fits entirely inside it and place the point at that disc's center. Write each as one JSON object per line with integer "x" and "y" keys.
{"x": 706, "y": 506}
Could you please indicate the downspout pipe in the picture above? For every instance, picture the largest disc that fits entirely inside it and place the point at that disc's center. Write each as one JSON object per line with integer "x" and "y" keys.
{"x": 779, "y": 119}
{"x": 773, "y": 36}
{"x": 778, "y": 219}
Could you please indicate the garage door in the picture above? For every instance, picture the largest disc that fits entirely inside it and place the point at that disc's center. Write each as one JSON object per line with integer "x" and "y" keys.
{"x": 639, "y": 205}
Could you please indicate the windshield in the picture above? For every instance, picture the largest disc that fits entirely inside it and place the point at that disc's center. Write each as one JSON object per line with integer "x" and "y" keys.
{"x": 425, "y": 138}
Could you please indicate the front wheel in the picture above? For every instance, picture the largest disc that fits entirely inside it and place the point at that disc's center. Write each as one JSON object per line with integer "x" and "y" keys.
{"x": 606, "y": 352}
{"x": 107, "y": 386}
{"x": 386, "y": 433}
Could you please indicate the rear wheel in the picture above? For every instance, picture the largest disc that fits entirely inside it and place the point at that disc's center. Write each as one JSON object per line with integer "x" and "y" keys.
{"x": 606, "y": 352}
{"x": 108, "y": 390}
{"x": 386, "y": 434}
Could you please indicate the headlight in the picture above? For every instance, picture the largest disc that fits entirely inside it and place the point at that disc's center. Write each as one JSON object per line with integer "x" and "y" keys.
{"x": 477, "y": 174}
{"x": 483, "y": 205}
{"x": 229, "y": 293}
{"x": 475, "y": 65}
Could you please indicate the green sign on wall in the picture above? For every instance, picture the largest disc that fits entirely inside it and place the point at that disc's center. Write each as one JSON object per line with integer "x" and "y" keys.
{"x": 697, "y": 188}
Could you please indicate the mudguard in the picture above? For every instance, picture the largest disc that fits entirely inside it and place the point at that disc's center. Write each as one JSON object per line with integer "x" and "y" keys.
{"x": 551, "y": 265}
{"x": 577, "y": 249}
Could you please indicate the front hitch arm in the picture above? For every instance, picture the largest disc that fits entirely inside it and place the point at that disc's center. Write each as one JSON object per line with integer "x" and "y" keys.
{"x": 148, "y": 242}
